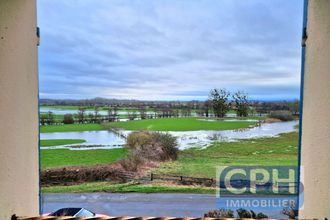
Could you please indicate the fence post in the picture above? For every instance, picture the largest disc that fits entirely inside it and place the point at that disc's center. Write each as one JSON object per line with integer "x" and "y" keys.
{"x": 151, "y": 176}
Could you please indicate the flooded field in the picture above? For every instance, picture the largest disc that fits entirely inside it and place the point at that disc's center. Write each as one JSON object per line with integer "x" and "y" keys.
{"x": 186, "y": 139}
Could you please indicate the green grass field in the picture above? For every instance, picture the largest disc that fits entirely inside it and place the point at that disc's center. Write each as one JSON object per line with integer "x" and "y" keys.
{"x": 55, "y": 142}
{"x": 56, "y": 116}
{"x": 71, "y": 127}
{"x": 161, "y": 124}
{"x": 126, "y": 187}
{"x": 52, "y": 158}
{"x": 193, "y": 162}
{"x": 135, "y": 187}
{"x": 196, "y": 162}
{"x": 179, "y": 124}
{"x": 281, "y": 150}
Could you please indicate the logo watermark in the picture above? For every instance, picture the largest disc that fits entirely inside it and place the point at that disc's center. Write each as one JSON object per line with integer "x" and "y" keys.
{"x": 253, "y": 187}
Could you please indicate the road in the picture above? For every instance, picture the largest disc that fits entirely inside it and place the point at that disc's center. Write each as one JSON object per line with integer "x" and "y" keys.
{"x": 139, "y": 204}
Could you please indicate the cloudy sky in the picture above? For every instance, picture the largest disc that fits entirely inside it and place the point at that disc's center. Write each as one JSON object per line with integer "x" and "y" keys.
{"x": 169, "y": 49}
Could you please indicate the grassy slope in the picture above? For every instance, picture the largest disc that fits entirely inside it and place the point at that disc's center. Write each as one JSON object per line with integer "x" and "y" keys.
{"x": 179, "y": 124}
{"x": 125, "y": 187}
{"x": 71, "y": 127}
{"x": 55, "y": 142}
{"x": 282, "y": 150}
{"x": 63, "y": 157}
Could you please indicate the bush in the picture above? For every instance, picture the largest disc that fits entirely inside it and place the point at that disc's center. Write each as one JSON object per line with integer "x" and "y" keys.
{"x": 282, "y": 115}
{"x": 68, "y": 119}
{"x": 154, "y": 145}
{"x": 220, "y": 213}
{"x": 241, "y": 213}
{"x": 149, "y": 146}
{"x": 291, "y": 211}
{"x": 261, "y": 216}
{"x": 168, "y": 145}
{"x": 132, "y": 162}
{"x": 138, "y": 139}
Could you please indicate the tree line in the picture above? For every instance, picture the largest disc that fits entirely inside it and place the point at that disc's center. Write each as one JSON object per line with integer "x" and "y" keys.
{"x": 219, "y": 103}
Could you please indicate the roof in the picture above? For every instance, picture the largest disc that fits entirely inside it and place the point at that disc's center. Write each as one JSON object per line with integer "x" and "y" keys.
{"x": 120, "y": 218}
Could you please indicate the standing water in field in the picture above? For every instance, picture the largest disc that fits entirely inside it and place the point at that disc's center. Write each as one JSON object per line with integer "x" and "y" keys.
{"x": 186, "y": 139}
{"x": 204, "y": 138}
{"x": 94, "y": 140}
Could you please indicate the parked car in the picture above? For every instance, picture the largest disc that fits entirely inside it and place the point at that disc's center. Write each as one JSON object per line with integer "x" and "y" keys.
{"x": 75, "y": 212}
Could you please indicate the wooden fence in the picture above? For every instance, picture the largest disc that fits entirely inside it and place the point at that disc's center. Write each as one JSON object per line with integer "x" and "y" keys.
{"x": 79, "y": 175}
{"x": 184, "y": 180}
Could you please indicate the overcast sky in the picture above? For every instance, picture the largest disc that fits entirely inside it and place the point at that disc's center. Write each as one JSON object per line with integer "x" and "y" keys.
{"x": 169, "y": 50}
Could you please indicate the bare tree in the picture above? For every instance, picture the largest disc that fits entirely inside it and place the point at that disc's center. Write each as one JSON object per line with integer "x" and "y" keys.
{"x": 115, "y": 113}
{"x": 68, "y": 119}
{"x": 131, "y": 115}
{"x": 186, "y": 111}
{"x": 143, "y": 113}
{"x": 43, "y": 119}
{"x": 176, "y": 113}
{"x": 96, "y": 114}
{"x": 90, "y": 118}
{"x": 206, "y": 107}
{"x": 242, "y": 104}
{"x": 294, "y": 107}
{"x": 50, "y": 118}
{"x": 219, "y": 99}
{"x": 111, "y": 114}
{"x": 81, "y": 114}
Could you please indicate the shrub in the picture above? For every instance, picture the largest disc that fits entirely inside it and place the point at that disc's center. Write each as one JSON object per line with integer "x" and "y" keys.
{"x": 138, "y": 139}
{"x": 132, "y": 162}
{"x": 68, "y": 119}
{"x": 220, "y": 213}
{"x": 261, "y": 216}
{"x": 241, "y": 213}
{"x": 282, "y": 115}
{"x": 43, "y": 119}
{"x": 168, "y": 145}
{"x": 149, "y": 146}
{"x": 154, "y": 145}
{"x": 291, "y": 211}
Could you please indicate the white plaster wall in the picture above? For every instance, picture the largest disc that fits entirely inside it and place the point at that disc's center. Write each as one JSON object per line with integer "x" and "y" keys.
{"x": 19, "y": 175}
{"x": 316, "y": 113}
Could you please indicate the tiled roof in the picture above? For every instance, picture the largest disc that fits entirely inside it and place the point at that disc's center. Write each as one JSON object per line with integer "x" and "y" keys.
{"x": 121, "y": 218}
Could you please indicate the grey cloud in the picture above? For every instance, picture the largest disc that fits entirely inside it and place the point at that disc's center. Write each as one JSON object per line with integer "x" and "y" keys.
{"x": 145, "y": 49}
